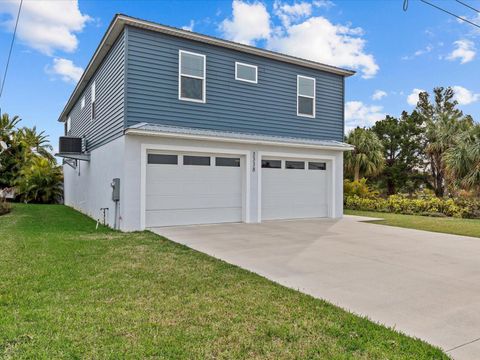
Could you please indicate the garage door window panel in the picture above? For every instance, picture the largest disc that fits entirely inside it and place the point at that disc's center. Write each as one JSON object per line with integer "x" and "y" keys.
{"x": 223, "y": 161}
{"x": 272, "y": 164}
{"x": 192, "y": 76}
{"x": 162, "y": 159}
{"x": 305, "y": 96}
{"x": 196, "y": 160}
{"x": 317, "y": 166}
{"x": 300, "y": 165}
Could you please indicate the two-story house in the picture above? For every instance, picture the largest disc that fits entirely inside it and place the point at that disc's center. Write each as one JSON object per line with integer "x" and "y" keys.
{"x": 202, "y": 130}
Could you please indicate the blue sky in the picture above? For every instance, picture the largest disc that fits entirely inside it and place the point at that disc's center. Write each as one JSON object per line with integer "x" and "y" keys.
{"x": 395, "y": 53}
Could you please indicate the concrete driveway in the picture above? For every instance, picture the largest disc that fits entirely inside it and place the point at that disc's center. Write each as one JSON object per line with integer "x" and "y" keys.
{"x": 424, "y": 284}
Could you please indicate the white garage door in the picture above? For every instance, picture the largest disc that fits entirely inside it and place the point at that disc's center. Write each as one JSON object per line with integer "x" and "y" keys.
{"x": 184, "y": 189}
{"x": 294, "y": 189}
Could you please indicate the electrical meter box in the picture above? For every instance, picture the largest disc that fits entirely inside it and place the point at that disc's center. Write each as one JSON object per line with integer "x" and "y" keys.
{"x": 116, "y": 189}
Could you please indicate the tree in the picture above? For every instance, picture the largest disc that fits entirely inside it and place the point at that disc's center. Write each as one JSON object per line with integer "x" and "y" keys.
{"x": 36, "y": 142}
{"x": 463, "y": 160}
{"x": 28, "y": 164}
{"x": 7, "y": 125}
{"x": 367, "y": 157}
{"x": 10, "y": 162}
{"x": 442, "y": 122}
{"x": 401, "y": 147}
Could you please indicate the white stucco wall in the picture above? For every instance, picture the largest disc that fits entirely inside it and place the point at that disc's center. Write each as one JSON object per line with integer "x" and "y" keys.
{"x": 87, "y": 188}
{"x": 135, "y": 145}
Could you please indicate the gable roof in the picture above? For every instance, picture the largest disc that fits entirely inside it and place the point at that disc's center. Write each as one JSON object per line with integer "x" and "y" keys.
{"x": 120, "y": 21}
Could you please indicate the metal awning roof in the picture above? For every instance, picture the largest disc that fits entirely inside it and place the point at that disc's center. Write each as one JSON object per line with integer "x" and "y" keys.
{"x": 234, "y": 137}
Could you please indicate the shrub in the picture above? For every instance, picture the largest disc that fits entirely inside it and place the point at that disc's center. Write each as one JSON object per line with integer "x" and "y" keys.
{"x": 40, "y": 181}
{"x": 4, "y": 206}
{"x": 358, "y": 188}
{"x": 431, "y": 206}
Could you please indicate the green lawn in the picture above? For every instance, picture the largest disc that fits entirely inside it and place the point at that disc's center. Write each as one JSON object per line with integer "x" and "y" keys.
{"x": 467, "y": 227}
{"x": 70, "y": 291}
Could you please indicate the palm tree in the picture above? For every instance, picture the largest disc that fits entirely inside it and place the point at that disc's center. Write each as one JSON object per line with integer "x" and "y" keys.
{"x": 7, "y": 125}
{"x": 367, "y": 157}
{"x": 463, "y": 161}
{"x": 443, "y": 122}
{"x": 35, "y": 142}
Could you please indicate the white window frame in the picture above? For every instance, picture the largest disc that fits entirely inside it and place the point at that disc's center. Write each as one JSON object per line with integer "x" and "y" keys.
{"x": 92, "y": 95}
{"x": 247, "y": 65}
{"x": 93, "y": 112}
{"x": 83, "y": 102}
{"x": 204, "y": 78}
{"x": 314, "y": 97}
{"x": 69, "y": 124}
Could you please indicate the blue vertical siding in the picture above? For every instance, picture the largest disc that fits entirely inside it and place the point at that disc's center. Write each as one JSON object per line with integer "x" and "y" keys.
{"x": 269, "y": 107}
{"x": 109, "y": 99}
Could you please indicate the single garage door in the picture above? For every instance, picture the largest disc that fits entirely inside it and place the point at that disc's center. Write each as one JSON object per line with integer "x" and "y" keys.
{"x": 294, "y": 189}
{"x": 184, "y": 189}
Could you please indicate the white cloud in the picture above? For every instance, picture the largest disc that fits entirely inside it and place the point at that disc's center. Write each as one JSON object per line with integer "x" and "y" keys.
{"x": 190, "y": 26}
{"x": 320, "y": 40}
{"x": 465, "y": 51}
{"x": 419, "y": 52}
{"x": 465, "y": 96}
{"x": 327, "y": 4}
{"x": 46, "y": 26}
{"x": 379, "y": 94}
{"x": 250, "y": 22}
{"x": 288, "y": 13}
{"x": 66, "y": 69}
{"x": 359, "y": 114}
{"x": 309, "y": 37}
{"x": 412, "y": 99}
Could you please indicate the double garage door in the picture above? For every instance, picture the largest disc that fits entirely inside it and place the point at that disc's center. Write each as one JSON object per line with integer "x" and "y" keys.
{"x": 184, "y": 189}
{"x": 192, "y": 188}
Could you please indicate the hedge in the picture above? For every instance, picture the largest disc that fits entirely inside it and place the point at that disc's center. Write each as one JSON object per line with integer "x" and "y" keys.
{"x": 399, "y": 204}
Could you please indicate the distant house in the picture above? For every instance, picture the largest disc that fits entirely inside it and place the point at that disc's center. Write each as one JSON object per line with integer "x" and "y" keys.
{"x": 202, "y": 130}
{"x": 7, "y": 193}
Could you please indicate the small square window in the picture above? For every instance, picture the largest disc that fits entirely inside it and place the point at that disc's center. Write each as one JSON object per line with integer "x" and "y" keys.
{"x": 223, "y": 161}
{"x": 272, "y": 164}
{"x": 162, "y": 159}
{"x": 294, "y": 164}
{"x": 246, "y": 72}
{"x": 317, "y": 166}
{"x": 196, "y": 160}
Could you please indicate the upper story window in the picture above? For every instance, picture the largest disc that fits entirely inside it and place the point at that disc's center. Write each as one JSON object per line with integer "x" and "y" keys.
{"x": 305, "y": 96}
{"x": 83, "y": 102}
{"x": 246, "y": 72}
{"x": 93, "y": 101}
{"x": 191, "y": 76}
{"x": 69, "y": 124}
